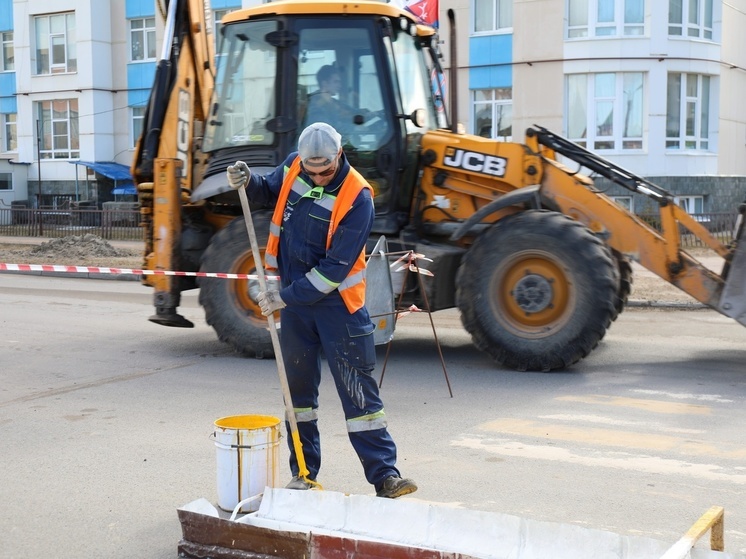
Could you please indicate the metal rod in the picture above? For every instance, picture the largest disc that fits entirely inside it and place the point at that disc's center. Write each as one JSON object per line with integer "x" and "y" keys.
{"x": 289, "y": 411}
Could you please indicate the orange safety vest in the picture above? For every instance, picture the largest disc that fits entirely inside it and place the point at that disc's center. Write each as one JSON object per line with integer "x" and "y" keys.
{"x": 352, "y": 289}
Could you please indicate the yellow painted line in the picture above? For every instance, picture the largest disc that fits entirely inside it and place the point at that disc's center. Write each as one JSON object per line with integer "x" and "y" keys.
{"x": 655, "y": 406}
{"x": 613, "y": 438}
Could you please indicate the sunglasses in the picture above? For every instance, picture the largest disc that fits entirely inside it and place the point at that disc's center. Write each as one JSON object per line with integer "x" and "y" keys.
{"x": 325, "y": 173}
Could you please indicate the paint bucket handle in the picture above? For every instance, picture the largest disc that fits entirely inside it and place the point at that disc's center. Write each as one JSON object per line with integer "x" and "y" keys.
{"x": 242, "y": 503}
{"x": 214, "y": 437}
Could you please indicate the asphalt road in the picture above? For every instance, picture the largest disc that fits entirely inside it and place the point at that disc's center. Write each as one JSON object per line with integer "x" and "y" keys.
{"x": 105, "y": 420}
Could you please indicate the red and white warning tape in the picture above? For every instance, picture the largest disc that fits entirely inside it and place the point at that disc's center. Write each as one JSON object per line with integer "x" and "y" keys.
{"x": 409, "y": 260}
{"x": 121, "y": 271}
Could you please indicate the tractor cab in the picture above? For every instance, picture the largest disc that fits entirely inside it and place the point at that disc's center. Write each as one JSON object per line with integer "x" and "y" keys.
{"x": 369, "y": 72}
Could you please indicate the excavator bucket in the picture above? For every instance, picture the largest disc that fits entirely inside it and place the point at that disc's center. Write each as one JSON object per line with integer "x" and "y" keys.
{"x": 733, "y": 297}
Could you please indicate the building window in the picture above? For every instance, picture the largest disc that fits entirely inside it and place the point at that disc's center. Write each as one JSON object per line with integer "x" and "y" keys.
{"x": 605, "y": 111}
{"x": 10, "y": 138}
{"x": 493, "y": 113}
{"x": 605, "y": 18}
{"x": 690, "y": 18}
{"x": 55, "y": 44}
{"x": 218, "y": 16}
{"x": 58, "y": 128}
{"x": 688, "y": 112}
{"x": 492, "y": 15}
{"x": 9, "y": 58}
{"x": 691, "y": 204}
{"x": 142, "y": 39}
{"x": 6, "y": 181}
{"x": 138, "y": 115}
{"x": 627, "y": 202}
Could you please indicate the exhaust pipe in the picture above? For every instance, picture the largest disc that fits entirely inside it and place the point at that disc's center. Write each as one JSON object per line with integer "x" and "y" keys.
{"x": 453, "y": 74}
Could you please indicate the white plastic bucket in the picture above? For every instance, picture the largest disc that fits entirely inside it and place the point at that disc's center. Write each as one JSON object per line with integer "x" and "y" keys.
{"x": 247, "y": 458}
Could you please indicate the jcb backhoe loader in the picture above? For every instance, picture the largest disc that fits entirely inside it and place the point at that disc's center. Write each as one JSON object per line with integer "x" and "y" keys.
{"x": 534, "y": 257}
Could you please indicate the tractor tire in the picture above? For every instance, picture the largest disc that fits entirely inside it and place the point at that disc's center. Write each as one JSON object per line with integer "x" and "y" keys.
{"x": 230, "y": 304}
{"x": 625, "y": 282}
{"x": 537, "y": 291}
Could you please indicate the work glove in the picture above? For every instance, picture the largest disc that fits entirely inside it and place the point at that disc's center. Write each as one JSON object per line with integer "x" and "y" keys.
{"x": 238, "y": 175}
{"x": 270, "y": 301}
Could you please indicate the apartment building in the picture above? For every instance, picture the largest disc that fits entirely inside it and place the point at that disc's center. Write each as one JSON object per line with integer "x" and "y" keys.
{"x": 74, "y": 83}
{"x": 654, "y": 86}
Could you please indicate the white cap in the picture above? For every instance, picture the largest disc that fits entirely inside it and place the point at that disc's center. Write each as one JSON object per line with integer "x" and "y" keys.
{"x": 319, "y": 140}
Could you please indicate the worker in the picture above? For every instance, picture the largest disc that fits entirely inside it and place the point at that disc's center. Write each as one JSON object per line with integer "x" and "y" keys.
{"x": 324, "y": 105}
{"x": 323, "y": 213}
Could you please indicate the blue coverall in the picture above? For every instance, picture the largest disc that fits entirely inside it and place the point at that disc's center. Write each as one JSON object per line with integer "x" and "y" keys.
{"x": 313, "y": 321}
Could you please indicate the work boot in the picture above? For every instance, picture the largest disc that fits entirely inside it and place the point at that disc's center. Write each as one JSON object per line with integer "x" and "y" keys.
{"x": 394, "y": 486}
{"x": 299, "y": 483}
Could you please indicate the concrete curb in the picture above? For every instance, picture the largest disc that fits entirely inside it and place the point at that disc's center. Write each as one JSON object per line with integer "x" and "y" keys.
{"x": 666, "y": 305}
{"x": 78, "y": 275}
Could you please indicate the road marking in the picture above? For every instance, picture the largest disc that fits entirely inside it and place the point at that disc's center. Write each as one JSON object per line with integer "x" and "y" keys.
{"x": 679, "y": 396}
{"x": 602, "y": 420}
{"x": 655, "y": 406}
{"x": 613, "y": 438}
{"x": 617, "y": 460}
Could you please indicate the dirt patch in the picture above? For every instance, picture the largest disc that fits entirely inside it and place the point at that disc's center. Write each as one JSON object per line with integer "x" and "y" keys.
{"x": 651, "y": 289}
{"x": 84, "y": 250}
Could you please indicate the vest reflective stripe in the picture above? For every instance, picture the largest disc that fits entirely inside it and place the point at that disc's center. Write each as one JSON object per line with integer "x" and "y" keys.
{"x": 327, "y": 202}
{"x": 367, "y": 422}
{"x": 270, "y": 260}
{"x": 304, "y": 414}
{"x": 300, "y": 187}
{"x": 353, "y": 292}
{"x": 304, "y": 190}
{"x": 352, "y": 280}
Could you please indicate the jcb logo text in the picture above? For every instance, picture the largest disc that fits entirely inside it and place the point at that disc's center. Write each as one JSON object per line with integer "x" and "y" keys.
{"x": 182, "y": 132}
{"x": 475, "y": 161}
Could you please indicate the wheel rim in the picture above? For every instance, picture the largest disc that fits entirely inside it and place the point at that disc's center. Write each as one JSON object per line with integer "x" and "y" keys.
{"x": 245, "y": 291}
{"x": 533, "y": 293}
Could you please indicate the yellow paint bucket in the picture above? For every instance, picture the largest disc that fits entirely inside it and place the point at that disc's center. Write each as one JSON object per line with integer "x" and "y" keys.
{"x": 247, "y": 458}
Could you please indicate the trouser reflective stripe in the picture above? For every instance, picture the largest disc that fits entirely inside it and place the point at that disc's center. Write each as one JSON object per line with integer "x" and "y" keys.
{"x": 305, "y": 414}
{"x": 369, "y": 422}
{"x": 347, "y": 341}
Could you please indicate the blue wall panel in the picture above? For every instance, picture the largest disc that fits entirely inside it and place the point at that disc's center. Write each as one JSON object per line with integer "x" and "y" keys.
{"x": 140, "y": 8}
{"x": 6, "y": 15}
{"x": 140, "y": 78}
{"x": 225, "y": 4}
{"x": 8, "y": 93}
{"x": 490, "y": 59}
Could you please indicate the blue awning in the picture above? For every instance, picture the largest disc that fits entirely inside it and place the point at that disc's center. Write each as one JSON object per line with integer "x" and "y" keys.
{"x": 115, "y": 171}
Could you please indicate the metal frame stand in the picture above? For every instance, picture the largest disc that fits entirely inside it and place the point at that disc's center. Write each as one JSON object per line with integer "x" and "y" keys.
{"x": 409, "y": 260}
